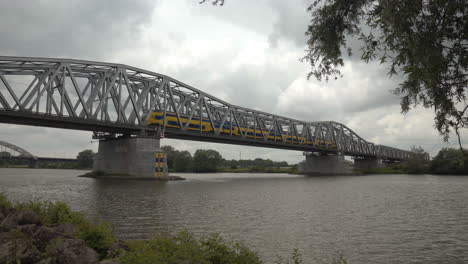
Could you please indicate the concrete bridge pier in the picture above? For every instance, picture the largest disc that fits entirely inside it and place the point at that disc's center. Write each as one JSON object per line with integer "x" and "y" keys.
{"x": 326, "y": 164}
{"x": 366, "y": 163}
{"x": 132, "y": 157}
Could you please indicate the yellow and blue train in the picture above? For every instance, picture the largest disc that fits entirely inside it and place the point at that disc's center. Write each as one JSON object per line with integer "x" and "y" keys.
{"x": 157, "y": 118}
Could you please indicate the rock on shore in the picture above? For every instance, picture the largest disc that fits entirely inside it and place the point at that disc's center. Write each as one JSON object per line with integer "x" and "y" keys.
{"x": 25, "y": 239}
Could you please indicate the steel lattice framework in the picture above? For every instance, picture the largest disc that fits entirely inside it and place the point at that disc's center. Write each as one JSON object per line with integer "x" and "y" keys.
{"x": 116, "y": 98}
{"x": 8, "y": 147}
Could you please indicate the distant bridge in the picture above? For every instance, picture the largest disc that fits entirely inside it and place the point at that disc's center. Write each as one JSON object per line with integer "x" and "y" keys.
{"x": 10, "y": 151}
{"x": 118, "y": 99}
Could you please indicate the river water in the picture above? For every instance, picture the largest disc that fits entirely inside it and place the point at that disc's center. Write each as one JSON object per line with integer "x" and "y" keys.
{"x": 367, "y": 219}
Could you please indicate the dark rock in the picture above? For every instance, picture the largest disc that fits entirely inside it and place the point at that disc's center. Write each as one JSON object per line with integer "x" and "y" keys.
{"x": 66, "y": 229}
{"x": 16, "y": 248}
{"x": 27, "y": 230}
{"x": 115, "y": 250}
{"x": 43, "y": 235}
{"x": 48, "y": 260}
{"x": 27, "y": 216}
{"x": 7, "y": 236}
{"x": 40, "y": 235}
{"x": 5, "y": 210}
{"x": 20, "y": 217}
{"x": 71, "y": 251}
{"x": 8, "y": 223}
{"x": 110, "y": 261}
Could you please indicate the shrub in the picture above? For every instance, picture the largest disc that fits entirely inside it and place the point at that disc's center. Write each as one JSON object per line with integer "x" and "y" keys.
{"x": 53, "y": 213}
{"x": 4, "y": 202}
{"x": 185, "y": 248}
{"x": 217, "y": 250}
{"x": 97, "y": 235}
{"x": 295, "y": 256}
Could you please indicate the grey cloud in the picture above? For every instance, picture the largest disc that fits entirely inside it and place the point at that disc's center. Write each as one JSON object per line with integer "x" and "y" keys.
{"x": 253, "y": 86}
{"x": 83, "y": 29}
{"x": 290, "y": 18}
{"x": 251, "y": 15}
{"x": 363, "y": 88}
{"x": 291, "y": 22}
{"x": 47, "y": 142}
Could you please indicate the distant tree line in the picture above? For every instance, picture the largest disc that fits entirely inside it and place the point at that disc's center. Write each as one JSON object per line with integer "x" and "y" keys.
{"x": 447, "y": 161}
{"x": 5, "y": 160}
{"x": 255, "y": 163}
{"x": 209, "y": 160}
{"x": 203, "y": 160}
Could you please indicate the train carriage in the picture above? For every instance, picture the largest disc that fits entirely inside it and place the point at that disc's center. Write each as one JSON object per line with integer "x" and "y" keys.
{"x": 171, "y": 121}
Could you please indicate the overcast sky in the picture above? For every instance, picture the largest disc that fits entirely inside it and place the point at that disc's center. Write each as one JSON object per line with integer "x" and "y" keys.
{"x": 246, "y": 52}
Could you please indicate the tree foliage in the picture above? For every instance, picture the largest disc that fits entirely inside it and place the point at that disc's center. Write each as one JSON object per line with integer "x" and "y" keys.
{"x": 178, "y": 161}
{"x": 419, "y": 162}
{"x": 85, "y": 158}
{"x": 183, "y": 161}
{"x": 170, "y": 154}
{"x": 255, "y": 163}
{"x": 450, "y": 161}
{"x": 206, "y": 160}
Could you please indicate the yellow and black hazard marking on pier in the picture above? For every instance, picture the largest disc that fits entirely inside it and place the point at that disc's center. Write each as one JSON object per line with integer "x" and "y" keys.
{"x": 160, "y": 164}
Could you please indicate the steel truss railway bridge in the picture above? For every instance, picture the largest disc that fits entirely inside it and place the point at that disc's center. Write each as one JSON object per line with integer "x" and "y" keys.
{"x": 115, "y": 102}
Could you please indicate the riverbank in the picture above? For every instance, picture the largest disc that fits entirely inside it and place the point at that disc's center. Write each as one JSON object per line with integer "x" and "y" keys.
{"x": 46, "y": 232}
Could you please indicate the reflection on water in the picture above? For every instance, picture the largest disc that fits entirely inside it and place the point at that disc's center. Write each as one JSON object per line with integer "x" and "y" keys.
{"x": 368, "y": 219}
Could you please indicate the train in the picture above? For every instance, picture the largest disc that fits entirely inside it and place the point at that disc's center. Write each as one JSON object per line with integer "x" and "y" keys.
{"x": 171, "y": 121}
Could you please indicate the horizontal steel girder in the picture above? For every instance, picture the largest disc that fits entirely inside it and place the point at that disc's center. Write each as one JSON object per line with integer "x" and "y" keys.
{"x": 117, "y": 98}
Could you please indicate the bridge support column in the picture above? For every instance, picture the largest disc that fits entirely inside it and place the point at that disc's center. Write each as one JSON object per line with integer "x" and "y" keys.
{"x": 366, "y": 163}
{"x": 133, "y": 157}
{"x": 317, "y": 165}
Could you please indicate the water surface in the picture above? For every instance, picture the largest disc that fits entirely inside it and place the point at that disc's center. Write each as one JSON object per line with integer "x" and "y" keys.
{"x": 368, "y": 219}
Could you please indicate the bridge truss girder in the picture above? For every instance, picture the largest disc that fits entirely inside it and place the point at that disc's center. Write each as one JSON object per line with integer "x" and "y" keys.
{"x": 103, "y": 95}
